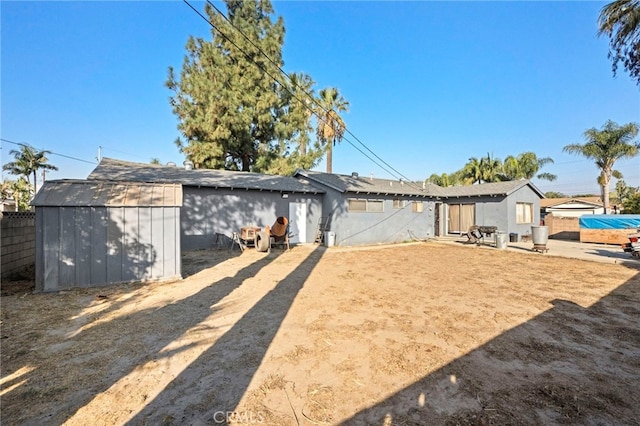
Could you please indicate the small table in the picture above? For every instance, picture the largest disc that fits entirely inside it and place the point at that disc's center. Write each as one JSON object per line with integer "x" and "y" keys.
{"x": 246, "y": 237}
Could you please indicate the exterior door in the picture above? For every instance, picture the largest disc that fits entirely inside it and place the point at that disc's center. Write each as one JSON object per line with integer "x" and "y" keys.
{"x": 436, "y": 219}
{"x": 298, "y": 222}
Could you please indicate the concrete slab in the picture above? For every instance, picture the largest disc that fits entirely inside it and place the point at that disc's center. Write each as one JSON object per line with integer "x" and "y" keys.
{"x": 605, "y": 253}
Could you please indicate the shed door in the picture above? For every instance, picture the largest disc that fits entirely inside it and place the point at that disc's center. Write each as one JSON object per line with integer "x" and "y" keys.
{"x": 298, "y": 222}
{"x": 461, "y": 217}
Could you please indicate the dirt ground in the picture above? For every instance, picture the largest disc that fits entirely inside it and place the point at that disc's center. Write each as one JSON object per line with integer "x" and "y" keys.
{"x": 410, "y": 334}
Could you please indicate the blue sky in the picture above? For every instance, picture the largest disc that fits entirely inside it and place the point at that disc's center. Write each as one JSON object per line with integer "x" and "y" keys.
{"x": 430, "y": 84}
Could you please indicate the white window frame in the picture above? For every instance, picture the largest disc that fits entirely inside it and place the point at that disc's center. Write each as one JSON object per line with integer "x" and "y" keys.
{"x": 418, "y": 207}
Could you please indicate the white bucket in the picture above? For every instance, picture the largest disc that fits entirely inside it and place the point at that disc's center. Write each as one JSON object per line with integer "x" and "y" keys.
{"x": 329, "y": 239}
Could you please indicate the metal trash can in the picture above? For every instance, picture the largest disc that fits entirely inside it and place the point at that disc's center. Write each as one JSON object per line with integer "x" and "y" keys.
{"x": 329, "y": 238}
{"x": 513, "y": 237}
{"x": 540, "y": 235}
{"x": 501, "y": 240}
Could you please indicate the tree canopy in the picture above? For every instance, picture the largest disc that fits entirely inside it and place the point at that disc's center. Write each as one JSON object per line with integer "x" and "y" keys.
{"x": 331, "y": 127}
{"x": 526, "y": 166}
{"x": 19, "y": 190}
{"x": 605, "y": 147}
{"x": 235, "y": 108}
{"x": 620, "y": 21}
{"x": 28, "y": 162}
{"x": 492, "y": 169}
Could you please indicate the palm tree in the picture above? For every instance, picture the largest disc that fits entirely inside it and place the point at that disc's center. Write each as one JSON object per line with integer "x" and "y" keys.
{"x": 485, "y": 169}
{"x": 525, "y": 166}
{"x": 443, "y": 179}
{"x": 331, "y": 127}
{"x": 491, "y": 168}
{"x": 605, "y": 147}
{"x": 472, "y": 171}
{"x": 620, "y": 21}
{"x": 28, "y": 162}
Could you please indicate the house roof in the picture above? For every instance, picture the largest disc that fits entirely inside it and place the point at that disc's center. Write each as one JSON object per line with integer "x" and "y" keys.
{"x": 554, "y": 202}
{"x": 84, "y": 193}
{"x": 118, "y": 170}
{"x": 366, "y": 185}
{"x": 492, "y": 188}
{"x": 358, "y": 184}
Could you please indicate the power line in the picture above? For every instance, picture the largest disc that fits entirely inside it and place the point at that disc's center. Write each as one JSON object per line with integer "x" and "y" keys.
{"x": 388, "y": 166}
{"x": 121, "y": 152}
{"x": 314, "y": 100}
{"x": 51, "y": 152}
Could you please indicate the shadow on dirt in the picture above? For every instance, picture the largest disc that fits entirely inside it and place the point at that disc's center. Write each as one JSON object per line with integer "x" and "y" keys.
{"x": 95, "y": 347}
{"x": 221, "y": 375}
{"x": 582, "y": 366}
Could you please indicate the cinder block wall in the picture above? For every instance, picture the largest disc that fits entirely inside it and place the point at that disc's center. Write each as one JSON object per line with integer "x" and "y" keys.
{"x": 563, "y": 228}
{"x": 17, "y": 242}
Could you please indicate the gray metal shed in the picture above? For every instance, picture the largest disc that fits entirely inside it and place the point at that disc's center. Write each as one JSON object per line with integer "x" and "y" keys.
{"x": 91, "y": 233}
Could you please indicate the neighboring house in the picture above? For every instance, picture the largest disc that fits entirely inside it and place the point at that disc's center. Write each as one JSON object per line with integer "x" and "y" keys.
{"x": 571, "y": 207}
{"x": 511, "y": 206}
{"x": 8, "y": 205}
{"x": 217, "y": 203}
{"x": 364, "y": 210}
{"x": 91, "y": 233}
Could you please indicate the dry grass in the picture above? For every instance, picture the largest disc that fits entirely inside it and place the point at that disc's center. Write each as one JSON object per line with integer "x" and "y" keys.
{"x": 411, "y": 334}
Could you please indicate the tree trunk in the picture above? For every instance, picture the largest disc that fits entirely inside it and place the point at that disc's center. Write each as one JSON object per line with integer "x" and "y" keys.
{"x": 246, "y": 163}
{"x": 605, "y": 196}
{"x": 329, "y": 157}
{"x": 605, "y": 180}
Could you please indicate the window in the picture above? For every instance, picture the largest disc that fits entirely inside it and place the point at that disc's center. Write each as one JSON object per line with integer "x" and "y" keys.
{"x": 524, "y": 213}
{"x": 417, "y": 207}
{"x": 363, "y": 205}
{"x": 398, "y": 203}
{"x": 357, "y": 205}
{"x": 376, "y": 206}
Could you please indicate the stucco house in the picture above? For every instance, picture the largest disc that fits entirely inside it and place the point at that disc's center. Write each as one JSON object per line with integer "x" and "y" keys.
{"x": 366, "y": 210}
{"x": 217, "y": 203}
{"x": 511, "y": 206}
{"x": 357, "y": 209}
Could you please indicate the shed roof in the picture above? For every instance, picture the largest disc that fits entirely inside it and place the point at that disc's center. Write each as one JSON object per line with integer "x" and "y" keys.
{"x": 118, "y": 170}
{"x": 84, "y": 193}
{"x": 366, "y": 185}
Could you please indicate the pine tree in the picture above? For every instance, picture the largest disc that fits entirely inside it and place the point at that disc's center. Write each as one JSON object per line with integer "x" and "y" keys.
{"x": 232, "y": 113}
